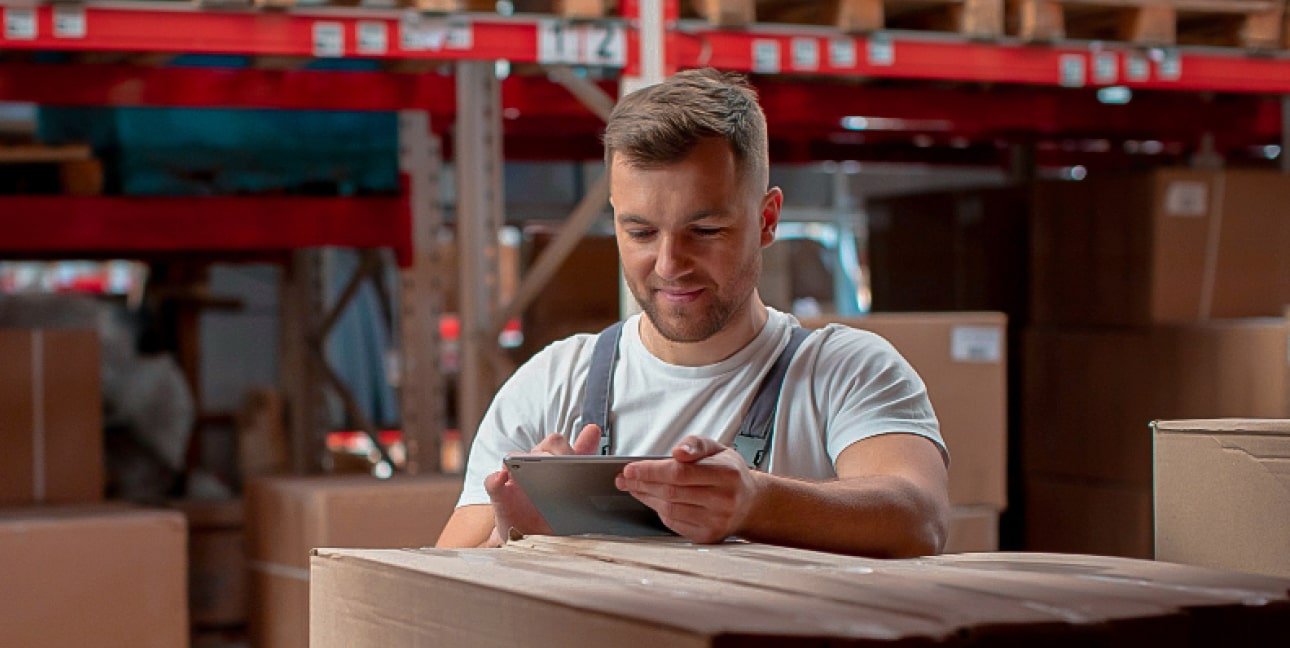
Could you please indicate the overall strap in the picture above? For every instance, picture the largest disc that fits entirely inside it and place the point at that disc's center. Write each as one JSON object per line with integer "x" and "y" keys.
{"x": 753, "y": 440}
{"x": 600, "y": 383}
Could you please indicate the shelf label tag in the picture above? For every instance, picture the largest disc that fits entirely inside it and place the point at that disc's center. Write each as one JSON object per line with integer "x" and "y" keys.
{"x": 842, "y": 53}
{"x": 601, "y": 44}
{"x": 983, "y": 344}
{"x": 329, "y": 39}
{"x": 417, "y": 34}
{"x": 1137, "y": 67}
{"x": 69, "y": 21}
{"x": 765, "y": 55}
{"x": 1168, "y": 64}
{"x": 1106, "y": 68}
{"x": 881, "y": 51}
{"x": 806, "y": 54}
{"x": 373, "y": 38}
{"x": 19, "y": 24}
{"x": 1072, "y": 70}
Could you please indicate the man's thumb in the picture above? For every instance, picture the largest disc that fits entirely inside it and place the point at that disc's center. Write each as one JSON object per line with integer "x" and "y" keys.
{"x": 588, "y": 441}
{"x": 694, "y": 448}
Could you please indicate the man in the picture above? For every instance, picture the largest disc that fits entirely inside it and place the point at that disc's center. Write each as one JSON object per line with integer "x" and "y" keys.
{"x": 855, "y": 463}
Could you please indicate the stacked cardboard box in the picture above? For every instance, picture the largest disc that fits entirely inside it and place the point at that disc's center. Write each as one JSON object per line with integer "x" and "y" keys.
{"x": 51, "y": 421}
{"x": 542, "y": 591}
{"x": 288, "y": 516}
{"x": 961, "y": 358}
{"x": 1222, "y": 494}
{"x": 100, "y": 575}
{"x": 1132, "y": 277}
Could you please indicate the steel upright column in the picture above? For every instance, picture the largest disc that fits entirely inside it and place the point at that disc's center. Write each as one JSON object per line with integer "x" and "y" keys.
{"x": 478, "y": 154}
{"x": 420, "y": 382}
{"x": 301, "y": 308}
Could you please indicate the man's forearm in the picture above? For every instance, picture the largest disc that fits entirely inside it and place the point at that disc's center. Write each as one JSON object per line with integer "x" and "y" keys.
{"x": 882, "y": 516}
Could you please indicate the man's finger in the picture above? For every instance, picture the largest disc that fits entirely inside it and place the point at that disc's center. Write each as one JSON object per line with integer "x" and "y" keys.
{"x": 697, "y": 495}
{"x": 494, "y": 483}
{"x": 588, "y": 441}
{"x": 553, "y": 444}
{"x": 694, "y": 448}
{"x": 674, "y": 472}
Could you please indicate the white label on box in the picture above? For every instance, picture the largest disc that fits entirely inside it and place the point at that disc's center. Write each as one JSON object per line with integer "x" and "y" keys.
{"x": 976, "y": 344}
{"x": 842, "y": 53}
{"x": 881, "y": 51}
{"x": 19, "y": 24}
{"x": 765, "y": 55}
{"x": 69, "y": 21}
{"x": 329, "y": 39}
{"x": 1187, "y": 199}
{"x": 373, "y": 37}
{"x": 806, "y": 54}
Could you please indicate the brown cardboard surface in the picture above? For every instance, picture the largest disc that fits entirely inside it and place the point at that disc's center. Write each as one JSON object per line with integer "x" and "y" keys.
{"x": 217, "y": 566}
{"x": 543, "y": 591}
{"x": 1085, "y": 516}
{"x": 1166, "y": 246}
{"x": 93, "y": 576}
{"x": 1222, "y": 494}
{"x": 969, "y": 395}
{"x": 50, "y": 417}
{"x": 288, "y": 516}
{"x": 973, "y": 528}
{"x": 1090, "y": 395}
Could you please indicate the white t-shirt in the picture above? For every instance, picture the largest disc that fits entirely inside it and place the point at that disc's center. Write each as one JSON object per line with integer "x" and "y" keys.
{"x": 842, "y": 386}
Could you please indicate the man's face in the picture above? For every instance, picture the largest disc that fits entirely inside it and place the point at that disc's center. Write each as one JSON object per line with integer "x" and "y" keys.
{"x": 690, "y": 237}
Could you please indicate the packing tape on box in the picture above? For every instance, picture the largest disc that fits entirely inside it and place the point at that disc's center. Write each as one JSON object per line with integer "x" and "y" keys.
{"x": 38, "y": 415}
{"x": 285, "y": 571}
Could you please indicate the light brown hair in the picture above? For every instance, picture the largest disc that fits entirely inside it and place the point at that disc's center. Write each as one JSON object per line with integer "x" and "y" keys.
{"x": 661, "y": 124}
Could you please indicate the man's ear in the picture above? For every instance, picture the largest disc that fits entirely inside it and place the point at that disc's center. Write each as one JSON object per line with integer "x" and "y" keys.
{"x": 771, "y": 205}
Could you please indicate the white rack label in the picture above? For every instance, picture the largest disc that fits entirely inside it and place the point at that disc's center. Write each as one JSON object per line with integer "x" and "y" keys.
{"x": 765, "y": 55}
{"x": 19, "y": 24}
{"x": 881, "y": 51}
{"x": 982, "y": 344}
{"x": 1137, "y": 67}
{"x": 806, "y": 54}
{"x": 1187, "y": 199}
{"x": 417, "y": 34}
{"x": 1072, "y": 70}
{"x": 842, "y": 53}
{"x": 329, "y": 39}
{"x": 1106, "y": 68}
{"x": 372, "y": 38}
{"x": 582, "y": 44}
{"x": 1169, "y": 64}
{"x": 69, "y": 22}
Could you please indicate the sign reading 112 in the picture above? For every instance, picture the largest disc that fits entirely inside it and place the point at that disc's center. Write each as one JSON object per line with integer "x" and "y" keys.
{"x": 592, "y": 43}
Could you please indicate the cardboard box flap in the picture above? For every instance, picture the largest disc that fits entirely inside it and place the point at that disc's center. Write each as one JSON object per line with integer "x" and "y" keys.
{"x": 678, "y": 601}
{"x": 1270, "y": 427}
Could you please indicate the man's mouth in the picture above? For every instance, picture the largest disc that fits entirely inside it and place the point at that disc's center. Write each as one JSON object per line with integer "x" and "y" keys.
{"x": 679, "y": 295}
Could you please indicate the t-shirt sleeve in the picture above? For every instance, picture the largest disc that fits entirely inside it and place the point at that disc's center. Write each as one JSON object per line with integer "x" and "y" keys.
{"x": 512, "y": 424}
{"x": 872, "y": 390}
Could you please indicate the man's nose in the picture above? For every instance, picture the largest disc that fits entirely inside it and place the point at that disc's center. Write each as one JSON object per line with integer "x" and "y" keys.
{"x": 672, "y": 261}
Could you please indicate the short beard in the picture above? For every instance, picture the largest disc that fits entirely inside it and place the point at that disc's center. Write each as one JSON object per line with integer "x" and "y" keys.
{"x": 714, "y": 319}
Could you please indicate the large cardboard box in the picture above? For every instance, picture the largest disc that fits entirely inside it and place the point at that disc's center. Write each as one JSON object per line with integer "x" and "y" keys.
{"x": 288, "y": 516}
{"x": 1090, "y": 395}
{"x": 109, "y": 576}
{"x": 1087, "y": 516}
{"x": 51, "y": 417}
{"x": 1170, "y": 245}
{"x": 548, "y": 592}
{"x": 973, "y": 528}
{"x": 217, "y": 568}
{"x": 1222, "y": 494}
{"x": 961, "y": 359}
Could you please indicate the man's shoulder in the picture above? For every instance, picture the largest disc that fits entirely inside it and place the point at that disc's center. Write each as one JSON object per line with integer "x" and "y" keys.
{"x": 836, "y": 337}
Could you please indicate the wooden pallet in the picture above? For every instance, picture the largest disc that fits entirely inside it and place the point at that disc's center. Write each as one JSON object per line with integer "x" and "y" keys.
{"x": 972, "y": 18}
{"x": 72, "y": 169}
{"x": 1236, "y": 23}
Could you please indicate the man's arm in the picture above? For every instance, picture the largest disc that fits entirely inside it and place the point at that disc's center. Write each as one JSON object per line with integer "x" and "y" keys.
{"x": 890, "y": 499}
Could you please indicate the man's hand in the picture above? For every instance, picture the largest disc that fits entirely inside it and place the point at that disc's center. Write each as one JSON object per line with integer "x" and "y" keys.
{"x": 704, "y": 492}
{"x": 511, "y": 507}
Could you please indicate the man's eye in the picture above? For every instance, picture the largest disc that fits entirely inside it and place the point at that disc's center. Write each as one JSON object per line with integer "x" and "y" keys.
{"x": 640, "y": 234}
{"x": 707, "y": 231}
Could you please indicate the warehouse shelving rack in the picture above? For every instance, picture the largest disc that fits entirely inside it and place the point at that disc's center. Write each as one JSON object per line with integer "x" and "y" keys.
{"x": 645, "y": 41}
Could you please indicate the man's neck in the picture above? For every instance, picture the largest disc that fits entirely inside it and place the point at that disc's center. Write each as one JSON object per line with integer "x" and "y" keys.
{"x": 742, "y": 329}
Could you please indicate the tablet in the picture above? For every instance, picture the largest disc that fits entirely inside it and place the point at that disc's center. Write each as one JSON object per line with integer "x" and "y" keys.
{"x": 576, "y": 494}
